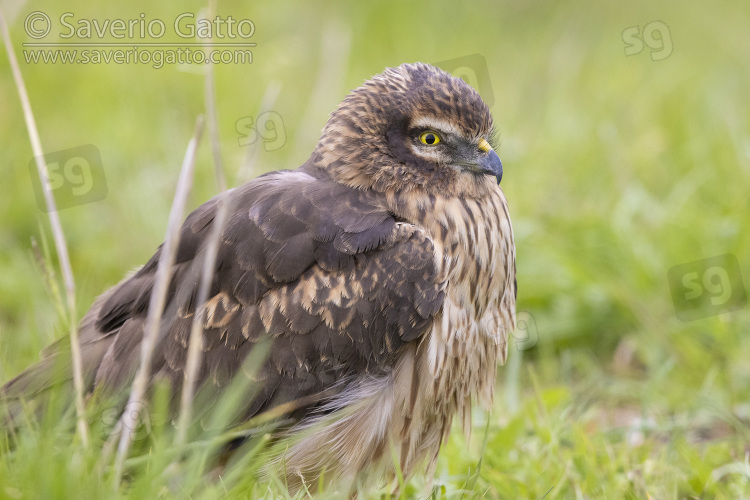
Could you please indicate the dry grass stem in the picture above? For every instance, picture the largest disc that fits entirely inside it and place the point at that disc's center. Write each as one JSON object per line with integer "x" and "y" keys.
{"x": 158, "y": 295}
{"x": 57, "y": 232}
{"x": 193, "y": 363}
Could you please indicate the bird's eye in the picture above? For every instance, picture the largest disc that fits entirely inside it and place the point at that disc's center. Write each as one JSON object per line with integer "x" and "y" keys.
{"x": 430, "y": 138}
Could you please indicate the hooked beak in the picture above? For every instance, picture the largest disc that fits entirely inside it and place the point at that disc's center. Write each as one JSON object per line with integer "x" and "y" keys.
{"x": 490, "y": 164}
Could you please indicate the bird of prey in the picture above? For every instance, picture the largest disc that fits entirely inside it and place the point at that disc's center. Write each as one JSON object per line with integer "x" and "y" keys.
{"x": 381, "y": 273}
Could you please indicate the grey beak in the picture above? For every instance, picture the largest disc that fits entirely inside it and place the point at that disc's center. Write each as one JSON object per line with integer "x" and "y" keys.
{"x": 492, "y": 165}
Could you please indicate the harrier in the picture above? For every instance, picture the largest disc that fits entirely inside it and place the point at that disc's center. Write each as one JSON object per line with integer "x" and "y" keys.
{"x": 381, "y": 272}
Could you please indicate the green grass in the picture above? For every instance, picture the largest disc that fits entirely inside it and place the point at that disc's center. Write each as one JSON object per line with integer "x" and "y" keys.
{"x": 617, "y": 168}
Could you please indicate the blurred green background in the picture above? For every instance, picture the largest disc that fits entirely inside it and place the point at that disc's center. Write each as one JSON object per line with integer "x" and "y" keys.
{"x": 617, "y": 168}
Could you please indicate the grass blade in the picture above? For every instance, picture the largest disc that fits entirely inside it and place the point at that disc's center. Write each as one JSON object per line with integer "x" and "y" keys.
{"x": 57, "y": 233}
{"x": 157, "y": 300}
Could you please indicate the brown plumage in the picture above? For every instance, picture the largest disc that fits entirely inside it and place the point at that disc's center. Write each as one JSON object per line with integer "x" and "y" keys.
{"x": 382, "y": 272}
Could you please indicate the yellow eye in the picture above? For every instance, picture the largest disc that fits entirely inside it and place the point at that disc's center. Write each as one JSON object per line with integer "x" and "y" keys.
{"x": 430, "y": 138}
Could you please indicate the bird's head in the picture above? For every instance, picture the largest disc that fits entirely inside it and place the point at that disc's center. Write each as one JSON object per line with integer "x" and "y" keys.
{"x": 411, "y": 127}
